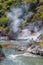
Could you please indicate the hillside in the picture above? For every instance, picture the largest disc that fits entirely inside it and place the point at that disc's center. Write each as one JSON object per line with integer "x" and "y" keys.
{"x": 36, "y": 6}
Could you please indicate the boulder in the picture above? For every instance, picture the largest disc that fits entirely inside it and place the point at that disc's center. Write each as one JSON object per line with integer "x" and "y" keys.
{"x": 2, "y": 55}
{"x": 12, "y": 35}
{"x": 40, "y": 51}
{"x": 3, "y": 32}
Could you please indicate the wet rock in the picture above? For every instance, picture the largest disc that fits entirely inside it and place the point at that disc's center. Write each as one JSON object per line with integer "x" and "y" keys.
{"x": 21, "y": 49}
{"x": 35, "y": 50}
{"x": 40, "y": 51}
{"x": 41, "y": 37}
{"x": 29, "y": 45}
{"x": 12, "y": 35}
{"x": 4, "y": 38}
{"x": 2, "y": 55}
{"x": 32, "y": 31}
{"x": 3, "y": 32}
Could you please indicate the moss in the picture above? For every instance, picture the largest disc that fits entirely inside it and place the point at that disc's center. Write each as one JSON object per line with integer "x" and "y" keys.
{"x": 35, "y": 17}
{"x": 41, "y": 15}
{"x": 3, "y": 19}
{"x": 4, "y": 28}
{"x": 39, "y": 8}
{"x": 5, "y": 5}
{"x": 0, "y": 47}
{"x": 7, "y": 29}
{"x": 29, "y": 1}
{"x": 1, "y": 28}
{"x": 41, "y": 44}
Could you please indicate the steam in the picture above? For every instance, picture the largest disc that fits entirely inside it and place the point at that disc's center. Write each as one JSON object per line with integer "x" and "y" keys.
{"x": 17, "y": 14}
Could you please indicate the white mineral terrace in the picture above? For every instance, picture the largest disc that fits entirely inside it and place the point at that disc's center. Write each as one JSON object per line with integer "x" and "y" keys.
{"x": 26, "y": 34}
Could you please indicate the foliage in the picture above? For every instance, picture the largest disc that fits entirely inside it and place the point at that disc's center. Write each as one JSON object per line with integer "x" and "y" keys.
{"x": 29, "y": 1}
{"x": 3, "y": 19}
{"x": 41, "y": 15}
{"x": 4, "y": 28}
{"x": 41, "y": 44}
{"x": 35, "y": 17}
{"x": 5, "y": 6}
{"x": 0, "y": 47}
{"x": 39, "y": 8}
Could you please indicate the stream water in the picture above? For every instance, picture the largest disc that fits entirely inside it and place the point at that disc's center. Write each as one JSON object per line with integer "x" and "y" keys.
{"x": 14, "y": 57}
{"x": 19, "y": 58}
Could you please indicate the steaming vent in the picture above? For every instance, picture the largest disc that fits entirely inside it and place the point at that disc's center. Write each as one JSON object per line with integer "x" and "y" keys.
{"x": 17, "y": 14}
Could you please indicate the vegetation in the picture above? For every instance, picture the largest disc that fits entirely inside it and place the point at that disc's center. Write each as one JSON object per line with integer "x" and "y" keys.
{"x": 41, "y": 44}
{"x": 5, "y": 6}
{"x": 36, "y": 6}
{"x": 0, "y": 47}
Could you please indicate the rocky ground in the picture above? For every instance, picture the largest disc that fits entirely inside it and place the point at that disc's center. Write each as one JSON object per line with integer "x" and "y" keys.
{"x": 32, "y": 47}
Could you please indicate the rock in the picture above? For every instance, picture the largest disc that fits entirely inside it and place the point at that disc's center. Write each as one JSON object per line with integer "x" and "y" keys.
{"x": 36, "y": 51}
{"x": 2, "y": 55}
{"x": 21, "y": 49}
{"x": 3, "y": 32}
{"x": 29, "y": 45}
{"x": 4, "y": 38}
{"x": 12, "y": 35}
{"x": 41, "y": 37}
{"x": 40, "y": 51}
{"x": 29, "y": 50}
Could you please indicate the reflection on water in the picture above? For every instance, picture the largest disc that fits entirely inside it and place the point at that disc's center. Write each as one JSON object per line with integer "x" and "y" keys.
{"x": 18, "y": 58}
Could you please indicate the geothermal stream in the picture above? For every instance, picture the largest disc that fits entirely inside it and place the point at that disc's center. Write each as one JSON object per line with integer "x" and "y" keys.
{"x": 15, "y": 58}
{"x": 17, "y": 15}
